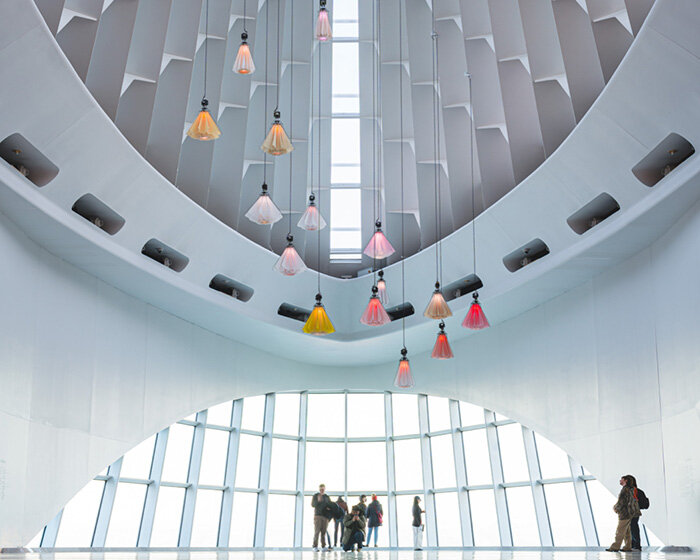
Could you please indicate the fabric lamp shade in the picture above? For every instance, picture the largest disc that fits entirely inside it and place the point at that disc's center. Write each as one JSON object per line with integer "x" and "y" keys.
{"x": 323, "y": 25}
{"x": 404, "y": 378}
{"x": 442, "y": 350}
{"x": 475, "y": 319}
{"x": 381, "y": 290}
{"x": 244, "y": 59}
{"x": 204, "y": 127}
{"x": 277, "y": 142}
{"x": 318, "y": 322}
{"x": 311, "y": 219}
{"x": 437, "y": 307}
{"x": 379, "y": 246}
{"x": 264, "y": 211}
{"x": 290, "y": 263}
{"x": 375, "y": 315}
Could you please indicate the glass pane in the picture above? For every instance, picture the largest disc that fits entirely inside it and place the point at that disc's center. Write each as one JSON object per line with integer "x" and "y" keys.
{"x": 177, "y": 453}
{"x": 279, "y": 530}
{"x": 79, "y": 516}
{"x": 366, "y": 415}
{"x": 214, "y": 456}
{"x": 404, "y": 518}
{"x": 307, "y": 536}
{"x": 207, "y": 511}
{"x": 345, "y": 140}
{"x": 470, "y": 414}
{"x": 36, "y": 540}
{"x": 438, "y": 414}
{"x": 325, "y": 464}
{"x": 405, "y": 413}
{"x": 564, "y": 518}
{"x": 500, "y": 417}
{"x": 476, "y": 455}
{"x": 137, "y": 462}
{"x": 345, "y": 175}
{"x": 344, "y": 10}
{"x": 554, "y": 462}
{"x": 283, "y": 464}
{"x": 484, "y": 519}
{"x": 345, "y": 30}
{"x": 125, "y": 521}
{"x": 286, "y": 414}
{"x": 602, "y": 501}
{"x": 523, "y": 523}
{"x": 326, "y": 416}
{"x": 166, "y": 523}
{"x": 253, "y": 413}
{"x": 367, "y": 467}
{"x": 220, "y": 414}
{"x": 408, "y": 465}
{"x": 345, "y": 240}
{"x": 348, "y": 105}
{"x": 443, "y": 462}
{"x": 346, "y": 207}
{"x": 248, "y": 465}
{"x": 448, "y": 519}
{"x": 245, "y": 507}
{"x": 510, "y": 441}
{"x": 346, "y": 68}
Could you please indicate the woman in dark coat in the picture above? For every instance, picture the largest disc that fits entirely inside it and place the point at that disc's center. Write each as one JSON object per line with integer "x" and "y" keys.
{"x": 375, "y": 515}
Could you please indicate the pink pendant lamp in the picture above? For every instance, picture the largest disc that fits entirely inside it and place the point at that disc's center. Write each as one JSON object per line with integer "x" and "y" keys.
{"x": 375, "y": 315}
{"x": 323, "y": 24}
{"x": 378, "y": 246}
{"x": 311, "y": 219}
{"x": 290, "y": 263}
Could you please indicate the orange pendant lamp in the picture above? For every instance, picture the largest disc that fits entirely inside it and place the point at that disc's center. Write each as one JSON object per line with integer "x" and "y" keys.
{"x": 244, "y": 59}
{"x": 277, "y": 142}
{"x": 318, "y": 322}
{"x": 442, "y": 350}
{"x": 204, "y": 127}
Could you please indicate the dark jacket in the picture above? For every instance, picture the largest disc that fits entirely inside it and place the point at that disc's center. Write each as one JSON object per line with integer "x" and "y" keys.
{"x": 320, "y": 502}
{"x": 340, "y": 509}
{"x": 627, "y": 505}
{"x": 373, "y": 511}
{"x": 352, "y": 526}
{"x": 417, "y": 511}
{"x": 363, "y": 508}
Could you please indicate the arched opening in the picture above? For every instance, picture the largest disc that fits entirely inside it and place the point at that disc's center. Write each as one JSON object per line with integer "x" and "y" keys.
{"x": 242, "y": 473}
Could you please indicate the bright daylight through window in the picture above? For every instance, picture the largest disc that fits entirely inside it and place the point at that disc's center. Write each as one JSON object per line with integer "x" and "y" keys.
{"x": 242, "y": 474}
{"x": 346, "y": 193}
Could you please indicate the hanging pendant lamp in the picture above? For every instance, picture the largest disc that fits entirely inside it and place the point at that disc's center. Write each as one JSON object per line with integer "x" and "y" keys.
{"x": 323, "y": 24}
{"x": 381, "y": 287}
{"x": 204, "y": 127}
{"x": 318, "y": 322}
{"x": 277, "y": 142}
{"x": 244, "y": 60}
{"x": 264, "y": 211}
{"x": 290, "y": 263}
{"x": 378, "y": 246}
{"x": 442, "y": 350}
{"x": 375, "y": 315}
{"x": 437, "y": 307}
{"x": 475, "y": 319}
{"x": 404, "y": 378}
{"x": 311, "y": 219}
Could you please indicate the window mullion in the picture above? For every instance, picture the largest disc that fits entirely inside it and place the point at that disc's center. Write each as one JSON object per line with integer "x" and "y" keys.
{"x": 156, "y": 473}
{"x": 105, "y": 512}
{"x": 301, "y": 465}
{"x": 264, "y": 478}
{"x": 426, "y": 455}
{"x": 234, "y": 439}
{"x": 538, "y": 496}
{"x": 497, "y": 474}
{"x": 461, "y": 475}
{"x": 584, "y": 505}
{"x": 192, "y": 480}
{"x": 390, "y": 470}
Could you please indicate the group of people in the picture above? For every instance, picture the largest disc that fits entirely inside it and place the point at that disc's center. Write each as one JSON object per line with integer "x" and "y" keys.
{"x": 363, "y": 520}
{"x": 355, "y": 524}
{"x": 630, "y": 503}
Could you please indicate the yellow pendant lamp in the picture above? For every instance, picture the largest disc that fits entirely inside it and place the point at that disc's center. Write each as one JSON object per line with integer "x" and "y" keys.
{"x": 318, "y": 322}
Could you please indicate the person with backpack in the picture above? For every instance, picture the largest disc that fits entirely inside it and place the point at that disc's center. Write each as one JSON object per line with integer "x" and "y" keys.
{"x": 627, "y": 508}
{"x": 375, "y": 515}
{"x": 340, "y": 509}
{"x": 643, "y": 502}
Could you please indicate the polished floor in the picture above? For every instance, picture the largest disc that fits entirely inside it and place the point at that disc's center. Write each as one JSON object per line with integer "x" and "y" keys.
{"x": 338, "y": 555}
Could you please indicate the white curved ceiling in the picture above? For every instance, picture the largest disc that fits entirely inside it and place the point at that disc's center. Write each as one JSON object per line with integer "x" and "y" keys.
{"x": 537, "y": 67}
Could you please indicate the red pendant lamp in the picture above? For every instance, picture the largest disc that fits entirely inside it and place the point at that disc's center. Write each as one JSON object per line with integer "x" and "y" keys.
{"x": 442, "y": 350}
{"x": 404, "y": 377}
{"x": 475, "y": 319}
{"x": 375, "y": 315}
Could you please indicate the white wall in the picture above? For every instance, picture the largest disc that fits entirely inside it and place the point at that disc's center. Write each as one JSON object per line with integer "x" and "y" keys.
{"x": 87, "y": 372}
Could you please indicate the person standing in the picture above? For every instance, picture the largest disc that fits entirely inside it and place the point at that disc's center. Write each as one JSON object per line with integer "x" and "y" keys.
{"x": 417, "y": 524}
{"x": 643, "y": 502}
{"x": 375, "y": 518}
{"x": 320, "y": 502}
{"x": 354, "y": 533}
{"x": 340, "y": 510}
{"x": 626, "y": 508}
{"x": 362, "y": 504}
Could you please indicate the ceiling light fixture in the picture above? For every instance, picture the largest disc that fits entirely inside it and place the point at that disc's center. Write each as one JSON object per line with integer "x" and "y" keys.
{"x": 475, "y": 318}
{"x": 381, "y": 286}
{"x": 277, "y": 142}
{"x": 404, "y": 378}
{"x": 204, "y": 127}
{"x": 442, "y": 350}
{"x": 264, "y": 211}
{"x": 311, "y": 219}
{"x": 375, "y": 315}
{"x": 244, "y": 60}
{"x": 437, "y": 307}
{"x": 379, "y": 246}
{"x": 290, "y": 263}
{"x": 323, "y": 24}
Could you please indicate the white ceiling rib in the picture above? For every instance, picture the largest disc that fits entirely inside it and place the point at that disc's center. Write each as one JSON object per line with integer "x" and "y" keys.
{"x": 536, "y": 69}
